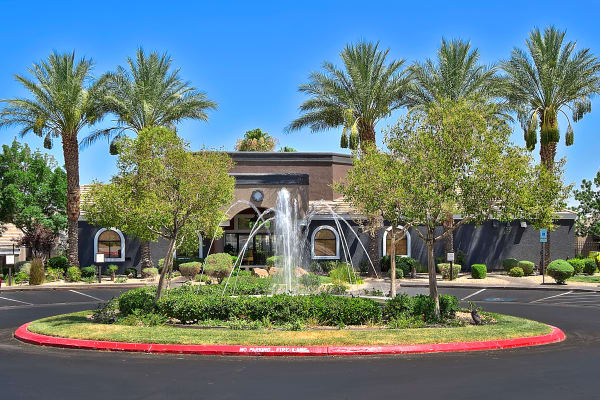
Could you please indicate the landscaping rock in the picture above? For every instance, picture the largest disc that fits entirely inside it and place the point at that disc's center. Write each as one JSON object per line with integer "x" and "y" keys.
{"x": 300, "y": 271}
{"x": 261, "y": 272}
{"x": 274, "y": 271}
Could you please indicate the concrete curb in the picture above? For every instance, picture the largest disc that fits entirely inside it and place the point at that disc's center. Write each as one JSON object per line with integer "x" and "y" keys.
{"x": 5, "y": 289}
{"x": 23, "y": 334}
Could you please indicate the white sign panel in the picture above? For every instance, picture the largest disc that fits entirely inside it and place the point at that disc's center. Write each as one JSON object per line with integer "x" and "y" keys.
{"x": 99, "y": 258}
{"x": 10, "y": 259}
{"x": 450, "y": 257}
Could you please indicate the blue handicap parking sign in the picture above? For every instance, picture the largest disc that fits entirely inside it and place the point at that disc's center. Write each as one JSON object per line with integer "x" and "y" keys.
{"x": 543, "y": 235}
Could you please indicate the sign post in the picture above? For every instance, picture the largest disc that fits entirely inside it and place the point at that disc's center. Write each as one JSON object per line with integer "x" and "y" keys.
{"x": 10, "y": 261}
{"x": 99, "y": 260}
{"x": 543, "y": 241}
{"x": 450, "y": 258}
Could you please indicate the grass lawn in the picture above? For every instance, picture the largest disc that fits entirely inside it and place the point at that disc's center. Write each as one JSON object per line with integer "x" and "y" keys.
{"x": 585, "y": 278}
{"x": 76, "y": 326}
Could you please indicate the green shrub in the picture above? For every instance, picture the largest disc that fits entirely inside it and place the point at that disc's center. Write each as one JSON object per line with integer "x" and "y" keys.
{"x": 20, "y": 277}
{"x": 527, "y": 267}
{"x": 335, "y": 288}
{"x": 323, "y": 267}
{"x": 137, "y": 299}
{"x": 478, "y": 271}
{"x": 397, "y": 307}
{"x": 589, "y": 266}
{"x": 112, "y": 268}
{"x": 190, "y": 269}
{"x": 344, "y": 273}
{"x": 271, "y": 261}
{"x": 61, "y": 262}
{"x": 425, "y": 306}
{"x": 73, "y": 274}
{"x": 132, "y": 272}
{"x": 310, "y": 281}
{"x": 88, "y": 279}
{"x": 579, "y": 265}
{"x": 406, "y": 264}
{"x": 23, "y": 266}
{"x": 218, "y": 265}
{"x": 517, "y": 272}
{"x": 53, "y": 274}
{"x": 509, "y": 263}
{"x": 363, "y": 267}
{"x": 560, "y": 270}
{"x": 399, "y": 273}
{"x": 445, "y": 270}
{"x": 202, "y": 278}
{"x": 87, "y": 272}
{"x": 36, "y": 275}
{"x": 149, "y": 272}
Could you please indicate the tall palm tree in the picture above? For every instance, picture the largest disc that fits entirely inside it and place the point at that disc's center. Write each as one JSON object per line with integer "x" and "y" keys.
{"x": 148, "y": 94}
{"x": 357, "y": 97}
{"x": 64, "y": 99}
{"x": 549, "y": 79}
{"x": 455, "y": 74}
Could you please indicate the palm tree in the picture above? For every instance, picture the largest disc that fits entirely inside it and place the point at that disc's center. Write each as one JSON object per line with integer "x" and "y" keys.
{"x": 357, "y": 97}
{"x": 455, "y": 75}
{"x": 64, "y": 100}
{"x": 256, "y": 140}
{"x": 144, "y": 95}
{"x": 548, "y": 79}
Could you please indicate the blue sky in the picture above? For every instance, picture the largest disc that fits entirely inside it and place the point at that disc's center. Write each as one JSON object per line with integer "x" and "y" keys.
{"x": 250, "y": 57}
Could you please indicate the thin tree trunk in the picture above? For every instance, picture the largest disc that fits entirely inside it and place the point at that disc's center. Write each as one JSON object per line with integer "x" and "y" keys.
{"x": 71, "y": 156}
{"x": 393, "y": 263}
{"x": 374, "y": 253}
{"x": 146, "y": 255}
{"x": 433, "y": 291}
{"x": 166, "y": 267}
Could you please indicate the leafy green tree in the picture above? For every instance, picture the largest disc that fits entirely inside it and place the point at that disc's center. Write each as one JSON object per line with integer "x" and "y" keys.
{"x": 549, "y": 79}
{"x": 588, "y": 209}
{"x": 456, "y": 74}
{"x": 456, "y": 153}
{"x": 256, "y": 140}
{"x": 33, "y": 189}
{"x": 64, "y": 100}
{"x": 148, "y": 93}
{"x": 356, "y": 97}
{"x": 371, "y": 186}
{"x": 170, "y": 192}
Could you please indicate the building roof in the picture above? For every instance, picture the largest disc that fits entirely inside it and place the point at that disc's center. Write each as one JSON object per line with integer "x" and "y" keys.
{"x": 9, "y": 237}
{"x": 339, "y": 206}
{"x": 298, "y": 157}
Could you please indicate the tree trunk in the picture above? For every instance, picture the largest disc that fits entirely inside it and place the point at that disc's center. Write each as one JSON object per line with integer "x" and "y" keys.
{"x": 166, "y": 267}
{"x": 449, "y": 240}
{"x": 393, "y": 263}
{"x": 146, "y": 256}
{"x": 433, "y": 291}
{"x": 366, "y": 133}
{"x": 71, "y": 156}
{"x": 547, "y": 155}
{"x": 374, "y": 254}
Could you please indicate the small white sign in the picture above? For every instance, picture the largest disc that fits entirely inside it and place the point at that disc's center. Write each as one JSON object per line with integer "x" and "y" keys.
{"x": 10, "y": 259}
{"x": 450, "y": 257}
{"x": 99, "y": 258}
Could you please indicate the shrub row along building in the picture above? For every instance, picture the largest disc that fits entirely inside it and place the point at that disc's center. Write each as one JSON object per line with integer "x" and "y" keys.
{"x": 308, "y": 177}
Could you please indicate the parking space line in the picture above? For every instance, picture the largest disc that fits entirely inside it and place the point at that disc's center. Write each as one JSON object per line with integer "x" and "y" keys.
{"x": 551, "y": 297}
{"x": 87, "y": 295}
{"x": 16, "y": 301}
{"x": 472, "y": 294}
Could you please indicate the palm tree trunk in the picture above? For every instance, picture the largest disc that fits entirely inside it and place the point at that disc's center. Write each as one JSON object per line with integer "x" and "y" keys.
{"x": 547, "y": 155}
{"x": 449, "y": 240}
{"x": 366, "y": 133}
{"x": 71, "y": 156}
{"x": 374, "y": 253}
{"x": 146, "y": 255}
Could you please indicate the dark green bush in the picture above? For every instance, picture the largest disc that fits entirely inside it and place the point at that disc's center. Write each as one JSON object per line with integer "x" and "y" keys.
{"x": 509, "y": 263}
{"x": 137, "y": 299}
{"x": 400, "y": 306}
{"x": 132, "y": 272}
{"x": 589, "y": 267}
{"x": 36, "y": 274}
{"x": 363, "y": 267}
{"x": 399, "y": 273}
{"x": 478, "y": 271}
{"x": 88, "y": 272}
{"x": 425, "y": 306}
{"x": 406, "y": 264}
{"x": 560, "y": 270}
{"x": 445, "y": 270}
{"x": 517, "y": 272}
{"x": 190, "y": 269}
{"x": 73, "y": 274}
{"x": 58, "y": 262}
{"x": 527, "y": 267}
{"x": 578, "y": 265}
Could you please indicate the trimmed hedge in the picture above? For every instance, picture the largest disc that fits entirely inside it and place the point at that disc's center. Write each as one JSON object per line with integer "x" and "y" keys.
{"x": 516, "y": 272}
{"x": 404, "y": 306}
{"x": 589, "y": 267}
{"x": 527, "y": 267}
{"x": 218, "y": 265}
{"x": 509, "y": 263}
{"x": 190, "y": 269}
{"x": 478, "y": 271}
{"x": 560, "y": 270}
{"x": 578, "y": 265}
{"x": 445, "y": 270}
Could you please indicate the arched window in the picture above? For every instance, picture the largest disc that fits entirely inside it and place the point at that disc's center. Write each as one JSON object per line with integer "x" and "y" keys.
{"x": 402, "y": 246}
{"x": 325, "y": 243}
{"x": 111, "y": 243}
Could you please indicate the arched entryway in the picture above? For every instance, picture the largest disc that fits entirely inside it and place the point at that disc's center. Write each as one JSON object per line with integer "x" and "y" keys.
{"x": 237, "y": 233}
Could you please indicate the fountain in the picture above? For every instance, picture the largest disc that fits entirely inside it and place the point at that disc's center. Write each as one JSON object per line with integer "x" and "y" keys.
{"x": 291, "y": 241}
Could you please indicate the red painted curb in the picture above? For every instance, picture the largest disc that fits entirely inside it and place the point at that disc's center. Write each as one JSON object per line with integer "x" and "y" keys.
{"x": 34, "y": 338}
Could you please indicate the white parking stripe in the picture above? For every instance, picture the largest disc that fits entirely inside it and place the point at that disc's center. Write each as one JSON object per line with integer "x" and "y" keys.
{"x": 16, "y": 301}
{"x": 472, "y": 294}
{"x": 551, "y": 297}
{"x": 87, "y": 295}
